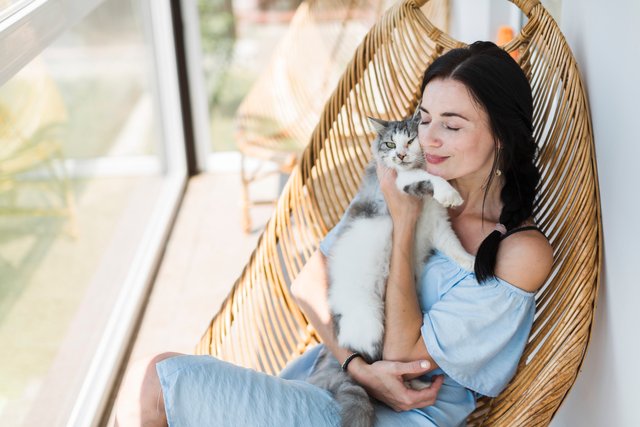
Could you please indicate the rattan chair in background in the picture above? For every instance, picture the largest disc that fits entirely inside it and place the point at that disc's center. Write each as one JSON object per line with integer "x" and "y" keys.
{"x": 33, "y": 119}
{"x": 259, "y": 324}
{"x": 275, "y": 120}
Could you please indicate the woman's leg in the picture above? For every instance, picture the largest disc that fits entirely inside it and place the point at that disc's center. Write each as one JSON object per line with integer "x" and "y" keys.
{"x": 140, "y": 402}
{"x": 204, "y": 391}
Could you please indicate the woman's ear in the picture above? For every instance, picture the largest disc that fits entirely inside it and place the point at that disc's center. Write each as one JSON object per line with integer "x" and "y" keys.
{"x": 378, "y": 125}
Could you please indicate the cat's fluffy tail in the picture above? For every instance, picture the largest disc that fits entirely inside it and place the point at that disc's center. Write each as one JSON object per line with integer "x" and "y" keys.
{"x": 356, "y": 408}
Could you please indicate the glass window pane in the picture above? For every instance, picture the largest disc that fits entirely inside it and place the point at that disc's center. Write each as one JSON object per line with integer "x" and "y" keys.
{"x": 270, "y": 66}
{"x": 82, "y": 176}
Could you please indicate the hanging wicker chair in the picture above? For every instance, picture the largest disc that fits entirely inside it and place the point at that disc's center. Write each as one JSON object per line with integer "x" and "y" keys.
{"x": 259, "y": 324}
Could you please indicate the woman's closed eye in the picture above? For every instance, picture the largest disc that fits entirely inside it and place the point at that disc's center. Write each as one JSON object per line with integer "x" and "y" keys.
{"x": 444, "y": 125}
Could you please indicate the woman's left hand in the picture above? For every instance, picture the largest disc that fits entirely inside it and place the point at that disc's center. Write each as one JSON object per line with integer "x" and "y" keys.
{"x": 384, "y": 380}
{"x": 403, "y": 208}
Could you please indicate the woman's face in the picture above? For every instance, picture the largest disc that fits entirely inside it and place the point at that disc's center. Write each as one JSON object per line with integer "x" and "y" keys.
{"x": 454, "y": 132}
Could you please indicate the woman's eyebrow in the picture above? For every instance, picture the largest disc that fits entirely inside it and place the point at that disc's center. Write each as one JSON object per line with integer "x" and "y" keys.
{"x": 447, "y": 114}
{"x": 454, "y": 115}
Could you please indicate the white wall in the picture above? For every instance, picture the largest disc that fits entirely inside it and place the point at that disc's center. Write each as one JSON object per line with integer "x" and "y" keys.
{"x": 605, "y": 38}
{"x": 469, "y": 20}
{"x": 472, "y": 20}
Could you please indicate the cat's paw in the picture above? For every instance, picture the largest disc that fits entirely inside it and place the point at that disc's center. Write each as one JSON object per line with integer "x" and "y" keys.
{"x": 406, "y": 179}
{"x": 417, "y": 384}
{"x": 419, "y": 189}
{"x": 446, "y": 195}
{"x": 416, "y": 182}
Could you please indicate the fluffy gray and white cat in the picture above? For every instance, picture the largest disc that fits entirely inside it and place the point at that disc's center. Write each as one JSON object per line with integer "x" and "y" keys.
{"x": 358, "y": 261}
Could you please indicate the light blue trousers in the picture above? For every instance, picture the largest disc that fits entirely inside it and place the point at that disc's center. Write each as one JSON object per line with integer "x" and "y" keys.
{"x": 202, "y": 391}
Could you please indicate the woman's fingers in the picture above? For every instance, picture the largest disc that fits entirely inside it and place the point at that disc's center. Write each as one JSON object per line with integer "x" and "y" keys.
{"x": 416, "y": 367}
{"x": 384, "y": 381}
{"x": 411, "y": 399}
{"x": 386, "y": 175}
{"x": 408, "y": 398}
{"x": 402, "y": 206}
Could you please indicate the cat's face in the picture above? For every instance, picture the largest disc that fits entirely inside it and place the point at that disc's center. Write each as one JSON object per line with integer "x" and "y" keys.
{"x": 397, "y": 144}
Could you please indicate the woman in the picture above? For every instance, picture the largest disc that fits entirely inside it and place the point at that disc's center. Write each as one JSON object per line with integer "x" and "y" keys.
{"x": 466, "y": 330}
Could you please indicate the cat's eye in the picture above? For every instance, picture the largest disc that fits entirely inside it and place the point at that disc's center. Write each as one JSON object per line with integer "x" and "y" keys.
{"x": 411, "y": 140}
{"x": 390, "y": 145}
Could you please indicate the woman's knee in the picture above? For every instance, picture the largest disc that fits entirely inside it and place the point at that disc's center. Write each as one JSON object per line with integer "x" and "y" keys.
{"x": 153, "y": 361}
{"x": 148, "y": 366}
{"x": 141, "y": 394}
{"x": 142, "y": 373}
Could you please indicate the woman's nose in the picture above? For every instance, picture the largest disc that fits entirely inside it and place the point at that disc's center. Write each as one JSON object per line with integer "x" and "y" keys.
{"x": 430, "y": 138}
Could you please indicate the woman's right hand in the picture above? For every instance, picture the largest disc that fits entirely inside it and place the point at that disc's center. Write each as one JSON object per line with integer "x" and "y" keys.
{"x": 403, "y": 208}
{"x": 384, "y": 380}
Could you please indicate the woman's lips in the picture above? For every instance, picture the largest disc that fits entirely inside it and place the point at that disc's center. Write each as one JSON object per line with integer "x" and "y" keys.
{"x": 433, "y": 159}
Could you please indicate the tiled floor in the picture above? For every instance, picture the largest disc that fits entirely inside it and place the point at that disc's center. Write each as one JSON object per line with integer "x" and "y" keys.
{"x": 205, "y": 254}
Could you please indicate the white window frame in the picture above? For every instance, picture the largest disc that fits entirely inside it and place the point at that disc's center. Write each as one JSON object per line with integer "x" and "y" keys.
{"x": 215, "y": 162}
{"x": 197, "y": 86}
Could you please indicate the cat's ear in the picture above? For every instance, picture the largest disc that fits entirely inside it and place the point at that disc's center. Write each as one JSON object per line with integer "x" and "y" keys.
{"x": 416, "y": 115}
{"x": 377, "y": 125}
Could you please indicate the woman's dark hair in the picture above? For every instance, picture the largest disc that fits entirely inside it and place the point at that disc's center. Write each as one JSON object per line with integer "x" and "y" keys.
{"x": 498, "y": 84}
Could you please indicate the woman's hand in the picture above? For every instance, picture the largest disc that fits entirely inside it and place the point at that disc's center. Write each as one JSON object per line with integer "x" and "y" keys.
{"x": 384, "y": 380}
{"x": 403, "y": 208}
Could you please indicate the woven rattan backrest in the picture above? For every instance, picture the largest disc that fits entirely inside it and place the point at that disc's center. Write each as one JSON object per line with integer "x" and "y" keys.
{"x": 260, "y": 325}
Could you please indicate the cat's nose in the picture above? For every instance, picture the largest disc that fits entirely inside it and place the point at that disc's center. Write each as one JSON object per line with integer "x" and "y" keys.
{"x": 401, "y": 156}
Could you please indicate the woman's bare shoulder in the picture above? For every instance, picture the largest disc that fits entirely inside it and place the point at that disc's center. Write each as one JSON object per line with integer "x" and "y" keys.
{"x": 525, "y": 260}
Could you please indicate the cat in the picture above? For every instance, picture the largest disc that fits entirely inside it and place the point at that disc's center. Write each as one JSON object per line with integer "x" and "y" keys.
{"x": 358, "y": 261}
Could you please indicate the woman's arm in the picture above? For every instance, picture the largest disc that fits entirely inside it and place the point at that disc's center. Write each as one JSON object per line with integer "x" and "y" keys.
{"x": 524, "y": 260}
{"x": 403, "y": 316}
{"x": 310, "y": 291}
{"x": 382, "y": 380}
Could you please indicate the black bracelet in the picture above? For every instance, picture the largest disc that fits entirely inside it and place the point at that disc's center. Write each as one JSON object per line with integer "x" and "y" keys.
{"x": 348, "y": 360}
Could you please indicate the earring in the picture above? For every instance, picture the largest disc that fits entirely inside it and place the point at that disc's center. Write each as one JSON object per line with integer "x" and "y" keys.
{"x": 498, "y": 172}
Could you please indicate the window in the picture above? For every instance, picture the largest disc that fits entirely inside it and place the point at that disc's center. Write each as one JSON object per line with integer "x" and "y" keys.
{"x": 92, "y": 167}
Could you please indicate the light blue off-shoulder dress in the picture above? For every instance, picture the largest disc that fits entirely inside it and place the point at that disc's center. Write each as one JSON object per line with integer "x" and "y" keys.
{"x": 475, "y": 332}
